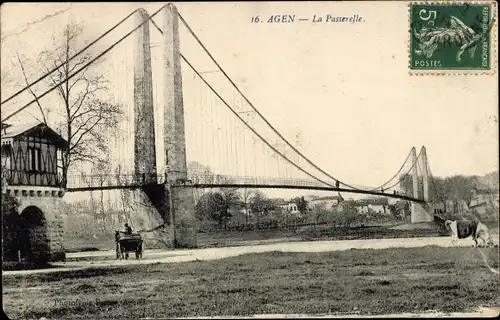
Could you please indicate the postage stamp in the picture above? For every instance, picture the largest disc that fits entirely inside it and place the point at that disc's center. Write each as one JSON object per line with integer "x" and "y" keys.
{"x": 451, "y": 36}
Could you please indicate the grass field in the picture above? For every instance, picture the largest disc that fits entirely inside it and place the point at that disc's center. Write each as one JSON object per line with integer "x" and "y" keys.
{"x": 354, "y": 281}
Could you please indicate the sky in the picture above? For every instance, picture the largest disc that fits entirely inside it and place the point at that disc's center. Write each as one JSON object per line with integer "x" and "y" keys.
{"x": 341, "y": 92}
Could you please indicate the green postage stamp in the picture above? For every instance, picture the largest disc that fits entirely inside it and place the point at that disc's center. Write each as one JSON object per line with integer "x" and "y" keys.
{"x": 452, "y": 36}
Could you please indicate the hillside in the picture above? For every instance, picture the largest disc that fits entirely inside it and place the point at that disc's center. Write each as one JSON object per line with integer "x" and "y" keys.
{"x": 490, "y": 180}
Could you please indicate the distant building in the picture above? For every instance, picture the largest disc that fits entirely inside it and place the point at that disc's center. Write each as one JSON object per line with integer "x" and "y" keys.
{"x": 290, "y": 207}
{"x": 378, "y": 205}
{"x": 362, "y": 208}
{"x": 484, "y": 200}
{"x": 392, "y": 201}
{"x": 310, "y": 197}
{"x": 246, "y": 212}
{"x": 484, "y": 196}
{"x": 378, "y": 208}
{"x": 453, "y": 206}
{"x": 326, "y": 202}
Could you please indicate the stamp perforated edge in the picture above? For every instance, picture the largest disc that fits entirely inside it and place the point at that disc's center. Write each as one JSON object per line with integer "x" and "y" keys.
{"x": 493, "y": 42}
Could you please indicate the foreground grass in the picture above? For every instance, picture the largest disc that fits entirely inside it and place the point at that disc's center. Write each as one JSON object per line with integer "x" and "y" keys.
{"x": 365, "y": 281}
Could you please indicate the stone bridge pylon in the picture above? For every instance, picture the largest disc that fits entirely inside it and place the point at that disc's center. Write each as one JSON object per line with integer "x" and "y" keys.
{"x": 164, "y": 204}
{"x": 420, "y": 212}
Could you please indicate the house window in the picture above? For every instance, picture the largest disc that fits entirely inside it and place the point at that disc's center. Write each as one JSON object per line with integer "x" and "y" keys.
{"x": 35, "y": 159}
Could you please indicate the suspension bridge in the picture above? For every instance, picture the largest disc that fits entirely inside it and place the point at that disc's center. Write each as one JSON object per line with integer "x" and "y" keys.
{"x": 168, "y": 142}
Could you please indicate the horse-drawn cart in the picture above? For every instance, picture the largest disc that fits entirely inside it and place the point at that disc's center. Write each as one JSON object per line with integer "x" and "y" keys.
{"x": 126, "y": 243}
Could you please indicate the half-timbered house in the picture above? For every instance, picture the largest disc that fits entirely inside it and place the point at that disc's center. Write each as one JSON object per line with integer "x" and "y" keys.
{"x": 31, "y": 154}
{"x": 31, "y": 172}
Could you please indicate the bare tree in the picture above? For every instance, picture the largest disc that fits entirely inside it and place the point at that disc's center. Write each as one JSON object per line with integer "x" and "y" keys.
{"x": 4, "y": 172}
{"x": 86, "y": 113}
{"x": 125, "y": 195}
{"x": 198, "y": 173}
{"x": 101, "y": 173}
{"x": 246, "y": 195}
{"x": 26, "y": 82}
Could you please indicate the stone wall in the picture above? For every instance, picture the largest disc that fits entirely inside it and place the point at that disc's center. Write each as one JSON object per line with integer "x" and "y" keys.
{"x": 150, "y": 210}
{"x": 50, "y": 202}
{"x": 421, "y": 213}
{"x": 184, "y": 219}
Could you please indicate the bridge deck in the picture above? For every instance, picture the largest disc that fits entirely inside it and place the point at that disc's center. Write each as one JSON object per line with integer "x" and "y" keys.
{"x": 255, "y": 186}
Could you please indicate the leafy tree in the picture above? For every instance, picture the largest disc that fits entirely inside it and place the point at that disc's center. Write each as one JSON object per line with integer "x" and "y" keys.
{"x": 212, "y": 206}
{"x": 260, "y": 204}
{"x": 348, "y": 214}
{"x": 87, "y": 114}
{"x": 231, "y": 199}
{"x": 440, "y": 189}
{"x": 319, "y": 214}
{"x": 459, "y": 187}
{"x": 301, "y": 204}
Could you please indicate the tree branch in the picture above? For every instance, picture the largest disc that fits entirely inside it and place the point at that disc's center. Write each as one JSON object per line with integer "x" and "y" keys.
{"x": 30, "y": 89}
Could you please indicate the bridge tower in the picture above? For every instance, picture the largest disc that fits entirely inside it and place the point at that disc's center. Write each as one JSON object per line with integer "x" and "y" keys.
{"x": 150, "y": 206}
{"x": 144, "y": 140}
{"x": 161, "y": 203}
{"x": 425, "y": 174}
{"x": 181, "y": 205}
{"x": 420, "y": 212}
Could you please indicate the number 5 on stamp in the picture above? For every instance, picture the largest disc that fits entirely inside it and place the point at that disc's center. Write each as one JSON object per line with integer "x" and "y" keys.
{"x": 451, "y": 36}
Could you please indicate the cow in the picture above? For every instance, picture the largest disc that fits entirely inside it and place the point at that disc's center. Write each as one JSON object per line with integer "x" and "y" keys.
{"x": 461, "y": 229}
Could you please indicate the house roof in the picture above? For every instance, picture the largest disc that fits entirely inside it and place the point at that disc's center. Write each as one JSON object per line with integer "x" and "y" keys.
{"x": 486, "y": 191}
{"x": 326, "y": 198}
{"x": 35, "y": 128}
{"x": 374, "y": 201}
{"x": 478, "y": 205}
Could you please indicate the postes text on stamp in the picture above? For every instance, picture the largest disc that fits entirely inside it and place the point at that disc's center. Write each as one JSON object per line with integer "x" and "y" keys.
{"x": 451, "y": 36}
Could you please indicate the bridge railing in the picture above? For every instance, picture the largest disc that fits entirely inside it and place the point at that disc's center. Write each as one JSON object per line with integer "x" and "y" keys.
{"x": 212, "y": 179}
{"x": 96, "y": 181}
{"x": 104, "y": 181}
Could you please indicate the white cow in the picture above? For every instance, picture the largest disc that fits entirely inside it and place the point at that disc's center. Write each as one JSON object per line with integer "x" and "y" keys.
{"x": 466, "y": 228}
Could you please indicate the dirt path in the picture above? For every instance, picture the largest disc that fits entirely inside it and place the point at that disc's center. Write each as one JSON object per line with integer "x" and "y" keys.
{"x": 92, "y": 259}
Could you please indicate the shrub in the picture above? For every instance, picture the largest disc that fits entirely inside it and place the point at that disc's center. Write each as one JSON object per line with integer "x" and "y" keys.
{"x": 11, "y": 226}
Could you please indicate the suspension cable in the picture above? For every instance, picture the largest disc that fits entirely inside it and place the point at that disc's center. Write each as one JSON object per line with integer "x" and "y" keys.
{"x": 241, "y": 119}
{"x": 400, "y": 169}
{"x": 82, "y": 68}
{"x": 255, "y": 109}
{"x": 439, "y": 196}
{"x": 263, "y": 118}
{"x": 249, "y": 127}
{"x": 407, "y": 173}
{"x": 69, "y": 59}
